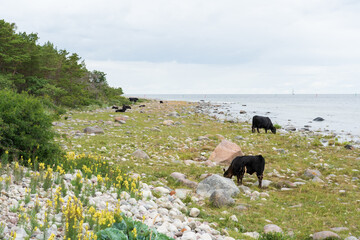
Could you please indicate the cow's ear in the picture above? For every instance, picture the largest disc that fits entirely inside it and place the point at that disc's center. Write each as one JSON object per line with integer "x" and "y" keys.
{"x": 224, "y": 169}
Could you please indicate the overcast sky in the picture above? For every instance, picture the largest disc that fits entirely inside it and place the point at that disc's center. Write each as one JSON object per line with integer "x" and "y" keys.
{"x": 205, "y": 46}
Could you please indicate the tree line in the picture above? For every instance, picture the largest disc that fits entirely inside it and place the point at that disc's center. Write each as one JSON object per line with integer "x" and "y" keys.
{"x": 55, "y": 76}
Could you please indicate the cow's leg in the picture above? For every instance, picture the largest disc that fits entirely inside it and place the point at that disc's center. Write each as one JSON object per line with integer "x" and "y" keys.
{"x": 258, "y": 130}
{"x": 242, "y": 172}
{"x": 252, "y": 129}
{"x": 265, "y": 130}
{"x": 238, "y": 178}
{"x": 260, "y": 177}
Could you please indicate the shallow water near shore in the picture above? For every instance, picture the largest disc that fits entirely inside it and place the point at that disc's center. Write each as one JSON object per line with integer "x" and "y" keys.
{"x": 340, "y": 111}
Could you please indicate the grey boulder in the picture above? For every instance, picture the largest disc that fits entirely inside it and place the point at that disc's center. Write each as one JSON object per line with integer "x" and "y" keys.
{"x": 215, "y": 182}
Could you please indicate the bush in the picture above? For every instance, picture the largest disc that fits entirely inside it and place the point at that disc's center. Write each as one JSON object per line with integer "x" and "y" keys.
{"x": 26, "y": 129}
{"x": 277, "y": 126}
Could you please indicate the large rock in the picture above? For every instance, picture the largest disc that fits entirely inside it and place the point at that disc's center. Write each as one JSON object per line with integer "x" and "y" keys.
{"x": 225, "y": 152}
{"x": 220, "y": 198}
{"x": 95, "y": 130}
{"x": 325, "y": 235}
{"x": 140, "y": 154}
{"x": 215, "y": 182}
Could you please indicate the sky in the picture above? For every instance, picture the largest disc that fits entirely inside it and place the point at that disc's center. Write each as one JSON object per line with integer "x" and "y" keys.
{"x": 205, "y": 46}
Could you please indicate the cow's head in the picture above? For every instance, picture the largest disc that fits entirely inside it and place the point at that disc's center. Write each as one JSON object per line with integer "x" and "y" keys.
{"x": 273, "y": 130}
{"x": 228, "y": 173}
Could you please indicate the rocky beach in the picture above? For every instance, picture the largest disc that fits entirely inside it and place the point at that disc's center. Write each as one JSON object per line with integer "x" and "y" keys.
{"x": 178, "y": 151}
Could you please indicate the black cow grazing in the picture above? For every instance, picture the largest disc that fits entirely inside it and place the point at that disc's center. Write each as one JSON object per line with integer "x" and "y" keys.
{"x": 249, "y": 163}
{"x": 133, "y": 99}
{"x": 161, "y": 102}
{"x": 141, "y": 105}
{"x": 124, "y": 107}
{"x": 262, "y": 122}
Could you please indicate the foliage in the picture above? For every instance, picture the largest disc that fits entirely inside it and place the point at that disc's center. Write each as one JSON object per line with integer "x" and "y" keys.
{"x": 129, "y": 229}
{"x": 277, "y": 126}
{"x": 51, "y": 74}
{"x": 26, "y": 129}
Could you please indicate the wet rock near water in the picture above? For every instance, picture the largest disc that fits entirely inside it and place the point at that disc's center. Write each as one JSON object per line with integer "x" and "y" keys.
{"x": 318, "y": 119}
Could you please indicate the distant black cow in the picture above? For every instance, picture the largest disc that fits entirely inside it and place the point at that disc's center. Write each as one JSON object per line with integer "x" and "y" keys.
{"x": 115, "y": 107}
{"x": 124, "y": 107}
{"x": 262, "y": 122}
{"x": 133, "y": 99}
{"x": 249, "y": 163}
{"x": 141, "y": 105}
{"x": 161, "y": 102}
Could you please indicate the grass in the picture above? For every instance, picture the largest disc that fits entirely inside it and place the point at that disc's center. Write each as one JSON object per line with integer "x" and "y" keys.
{"x": 322, "y": 206}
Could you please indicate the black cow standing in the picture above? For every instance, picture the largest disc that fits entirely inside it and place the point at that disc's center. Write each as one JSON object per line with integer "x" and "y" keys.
{"x": 161, "y": 101}
{"x": 262, "y": 122}
{"x": 249, "y": 163}
{"x": 124, "y": 107}
{"x": 133, "y": 99}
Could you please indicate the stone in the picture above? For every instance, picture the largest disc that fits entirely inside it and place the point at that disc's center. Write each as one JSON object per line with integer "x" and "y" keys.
{"x": 290, "y": 128}
{"x": 349, "y": 147}
{"x": 271, "y": 228}
{"x": 339, "y": 229}
{"x": 242, "y": 111}
{"x": 168, "y": 122}
{"x": 182, "y": 178}
{"x": 220, "y": 198}
{"x": 182, "y": 193}
{"x": 317, "y": 180}
{"x": 194, "y": 212}
{"x": 264, "y": 183}
{"x": 94, "y": 130}
{"x": 318, "y": 119}
{"x": 325, "y": 235}
{"x": 173, "y": 114}
{"x": 121, "y": 118}
{"x": 162, "y": 190}
{"x": 241, "y": 207}
{"x": 225, "y": 152}
{"x": 188, "y": 235}
{"x": 351, "y": 238}
{"x": 233, "y": 218}
{"x": 311, "y": 173}
{"x": 206, "y": 187}
{"x": 140, "y": 154}
{"x": 255, "y": 235}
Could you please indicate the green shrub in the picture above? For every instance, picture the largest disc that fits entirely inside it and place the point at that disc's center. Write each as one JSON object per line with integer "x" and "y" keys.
{"x": 26, "y": 129}
{"x": 277, "y": 126}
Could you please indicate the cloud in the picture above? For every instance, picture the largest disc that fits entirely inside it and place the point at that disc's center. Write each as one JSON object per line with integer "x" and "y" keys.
{"x": 269, "y": 46}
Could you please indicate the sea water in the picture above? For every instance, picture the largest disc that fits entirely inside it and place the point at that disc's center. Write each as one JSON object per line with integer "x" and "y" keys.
{"x": 340, "y": 111}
